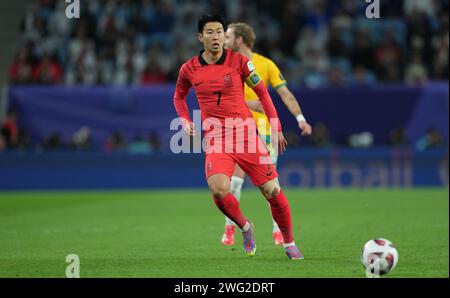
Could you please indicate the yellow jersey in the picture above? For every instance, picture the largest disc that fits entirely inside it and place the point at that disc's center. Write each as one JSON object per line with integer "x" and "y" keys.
{"x": 271, "y": 75}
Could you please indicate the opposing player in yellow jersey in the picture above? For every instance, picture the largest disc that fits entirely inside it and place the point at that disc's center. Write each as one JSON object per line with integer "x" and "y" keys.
{"x": 241, "y": 37}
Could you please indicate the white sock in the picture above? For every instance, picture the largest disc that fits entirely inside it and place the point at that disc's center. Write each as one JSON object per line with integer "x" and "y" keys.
{"x": 274, "y": 223}
{"x": 275, "y": 226}
{"x": 286, "y": 245}
{"x": 246, "y": 226}
{"x": 229, "y": 222}
{"x": 235, "y": 189}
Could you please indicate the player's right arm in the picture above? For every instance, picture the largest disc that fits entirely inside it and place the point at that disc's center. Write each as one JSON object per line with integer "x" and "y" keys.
{"x": 279, "y": 83}
{"x": 293, "y": 106}
{"x": 179, "y": 100}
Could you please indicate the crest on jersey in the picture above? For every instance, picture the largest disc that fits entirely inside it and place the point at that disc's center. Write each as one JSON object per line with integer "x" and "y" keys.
{"x": 228, "y": 81}
{"x": 250, "y": 66}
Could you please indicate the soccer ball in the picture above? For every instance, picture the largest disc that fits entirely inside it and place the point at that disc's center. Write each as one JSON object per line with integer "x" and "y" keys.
{"x": 379, "y": 256}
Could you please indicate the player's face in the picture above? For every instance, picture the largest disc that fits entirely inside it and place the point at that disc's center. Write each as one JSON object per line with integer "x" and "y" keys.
{"x": 212, "y": 37}
{"x": 230, "y": 40}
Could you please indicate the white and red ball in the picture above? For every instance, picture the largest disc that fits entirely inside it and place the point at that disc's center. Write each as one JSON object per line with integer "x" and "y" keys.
{"x": 379, "y": 256}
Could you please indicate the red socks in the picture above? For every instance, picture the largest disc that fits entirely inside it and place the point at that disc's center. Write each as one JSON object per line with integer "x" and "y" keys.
{"x": 229, "y": 206}
{"x": 281, "y": 213}
{"x": 279, "y": 205}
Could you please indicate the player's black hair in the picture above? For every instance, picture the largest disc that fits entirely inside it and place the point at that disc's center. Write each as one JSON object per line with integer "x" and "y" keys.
{"x": 207, "y": 18}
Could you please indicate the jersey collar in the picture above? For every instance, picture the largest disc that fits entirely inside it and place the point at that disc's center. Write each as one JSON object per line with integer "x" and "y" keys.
{"x": 220, "y": 61}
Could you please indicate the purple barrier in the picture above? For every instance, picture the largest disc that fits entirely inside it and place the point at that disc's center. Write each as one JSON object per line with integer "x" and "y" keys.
{"x": 138, "y": 110}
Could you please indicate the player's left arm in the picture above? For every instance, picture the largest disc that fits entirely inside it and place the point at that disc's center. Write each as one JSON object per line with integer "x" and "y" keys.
{"x": 293, "y": 106}
{"x": 255, "y": 105}
{"x": 254, "y": 81}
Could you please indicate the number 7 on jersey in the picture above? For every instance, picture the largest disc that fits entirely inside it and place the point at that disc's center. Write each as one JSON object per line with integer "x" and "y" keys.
{"x": 219, "y": 94}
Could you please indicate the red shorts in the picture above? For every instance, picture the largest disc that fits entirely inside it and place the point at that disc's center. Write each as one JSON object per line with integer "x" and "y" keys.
{"x": 258, "y": 166}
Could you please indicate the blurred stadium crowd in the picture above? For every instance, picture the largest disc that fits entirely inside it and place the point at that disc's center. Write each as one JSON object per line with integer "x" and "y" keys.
{"x": 315, "y": 42}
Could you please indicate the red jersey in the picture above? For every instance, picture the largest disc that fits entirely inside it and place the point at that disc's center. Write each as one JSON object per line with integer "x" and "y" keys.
{"x": 219, "y": 88}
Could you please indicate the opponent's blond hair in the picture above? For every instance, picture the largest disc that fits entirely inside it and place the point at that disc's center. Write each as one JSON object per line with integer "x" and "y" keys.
{"x": 245, "y": 31}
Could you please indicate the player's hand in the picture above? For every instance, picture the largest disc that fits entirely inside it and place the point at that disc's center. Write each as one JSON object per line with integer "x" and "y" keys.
{"x": 189, "y": 128}
{"x": 280, "y": 141}
{"x": 305, "y": 128}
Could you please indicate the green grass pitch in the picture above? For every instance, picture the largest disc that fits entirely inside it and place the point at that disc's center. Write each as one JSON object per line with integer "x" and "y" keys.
{"x": 177, "y": 233}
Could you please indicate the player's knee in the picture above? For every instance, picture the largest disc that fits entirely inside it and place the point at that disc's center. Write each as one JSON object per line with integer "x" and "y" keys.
{"x": 219, "y": 190}
{"x": 272, "y": 192}
{"x": 220, "y": 193}
{"x": 276, "y": 191}
{"x": 271, "y": 189}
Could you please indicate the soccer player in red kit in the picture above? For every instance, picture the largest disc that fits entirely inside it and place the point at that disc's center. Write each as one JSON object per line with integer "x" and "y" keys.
{"x": 217, "y": 76}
